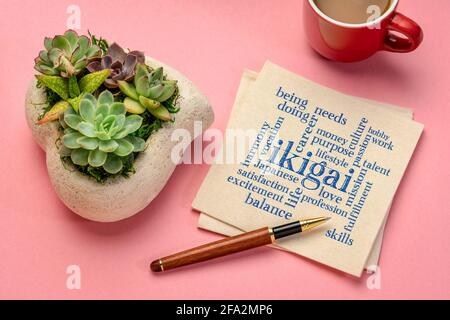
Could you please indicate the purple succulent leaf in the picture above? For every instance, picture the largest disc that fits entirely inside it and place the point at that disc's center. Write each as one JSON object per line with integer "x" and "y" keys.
{"x": 117, "y": 65}
{"x": 129, "y": 65}
{"x": 116, "y": 52}
{"x": 129, "y": 77}
{"x": 106, "y": 62}
{"x": 111, "y": 84}
{"x": 118, "y": 76}
{"x": 114, "y": 77}
{"x": 121, "y": 64}
{"x": 139, "y": 55}
{"x": 94, "y": 66}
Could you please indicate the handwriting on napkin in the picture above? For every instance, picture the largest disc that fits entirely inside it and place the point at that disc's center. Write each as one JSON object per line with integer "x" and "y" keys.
{"x": 317, "y": 152}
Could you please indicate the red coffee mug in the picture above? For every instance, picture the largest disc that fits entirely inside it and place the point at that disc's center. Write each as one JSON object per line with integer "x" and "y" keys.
{"x": 347, "y": 42}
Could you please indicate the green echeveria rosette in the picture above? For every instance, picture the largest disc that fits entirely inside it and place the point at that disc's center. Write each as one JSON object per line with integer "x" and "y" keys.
{"x": 148, "y": 91}
{"x": 100, "y": 134}
{"x": 66, "y": 55}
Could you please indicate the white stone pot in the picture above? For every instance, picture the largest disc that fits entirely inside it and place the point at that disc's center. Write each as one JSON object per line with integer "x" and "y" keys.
{"x": 118, "y": 198}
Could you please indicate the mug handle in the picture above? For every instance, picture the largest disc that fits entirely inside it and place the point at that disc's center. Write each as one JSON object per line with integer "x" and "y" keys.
{"x": 411, "y": 31}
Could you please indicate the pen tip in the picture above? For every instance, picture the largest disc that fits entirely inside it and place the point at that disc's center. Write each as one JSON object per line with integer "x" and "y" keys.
{"x": 309, "y": 224}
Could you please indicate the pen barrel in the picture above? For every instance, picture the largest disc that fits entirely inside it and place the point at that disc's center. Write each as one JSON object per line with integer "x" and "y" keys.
{"x": 215, "y": 249}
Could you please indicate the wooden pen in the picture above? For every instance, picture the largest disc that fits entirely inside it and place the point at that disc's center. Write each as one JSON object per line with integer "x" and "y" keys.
{"x": 242, "y": 242}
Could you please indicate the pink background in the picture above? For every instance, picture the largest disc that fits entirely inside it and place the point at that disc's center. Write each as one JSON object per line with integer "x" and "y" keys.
{"x": 212, "y": 42}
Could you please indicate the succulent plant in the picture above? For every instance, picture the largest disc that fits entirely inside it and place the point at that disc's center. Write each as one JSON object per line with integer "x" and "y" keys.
{"x": 70, "y": 90}
{"x": 100, "y": 134}
{"x": 148, "y": 91}
{"x": 122, "y": 65}
{"x": 66, "y": 55}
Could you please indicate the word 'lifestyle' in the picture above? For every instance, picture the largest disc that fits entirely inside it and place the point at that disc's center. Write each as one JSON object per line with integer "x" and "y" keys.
{"x": 315, "y": 173}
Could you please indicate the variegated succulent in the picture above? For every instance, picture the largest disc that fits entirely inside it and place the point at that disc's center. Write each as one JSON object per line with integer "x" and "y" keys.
{"x": 66, "y": 55}
{"x": 70, "y": 90}
{"x": 121, "y": 64}
{"x": 100, "y": 133}
{"x": 148, "y": 91}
